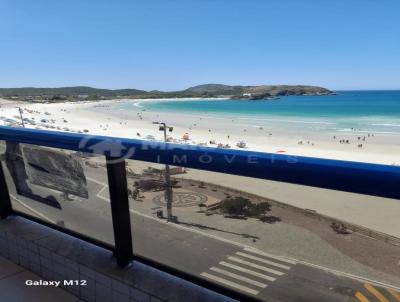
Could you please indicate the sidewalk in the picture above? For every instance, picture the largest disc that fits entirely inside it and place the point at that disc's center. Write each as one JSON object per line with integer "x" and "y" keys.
{"x": 13, "y": 288}
{"x": 377, "y": 213}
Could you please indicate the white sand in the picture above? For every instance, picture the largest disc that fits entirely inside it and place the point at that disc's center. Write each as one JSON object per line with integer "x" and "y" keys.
{"x": 99, "y": 118}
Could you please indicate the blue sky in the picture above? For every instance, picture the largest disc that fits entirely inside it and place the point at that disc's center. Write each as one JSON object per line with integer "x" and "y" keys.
{"x": 174, "y": 44}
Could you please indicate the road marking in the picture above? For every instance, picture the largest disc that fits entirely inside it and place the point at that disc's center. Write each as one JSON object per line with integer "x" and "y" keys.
{"x": 101, "y": 197}
{"x": 263, "y": 260}
{"x": 98, "y": 195}
{"x": 33, "y": 210}
{"x": 251, "y": 250}
{"x": 375, "y": 292}
{"x": 360, "y": 297}
{"x": 395, "y": 295}
{"x": 247, "y": 271}
{"x": 263, "y": 268}
{"x": 230, "y": 283}
{"x": 97, "y": 181}
{"x": 236, "y": 276}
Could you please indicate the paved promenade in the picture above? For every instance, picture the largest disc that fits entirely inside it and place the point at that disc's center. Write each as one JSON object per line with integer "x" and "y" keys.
{"x": 379, "y": 214}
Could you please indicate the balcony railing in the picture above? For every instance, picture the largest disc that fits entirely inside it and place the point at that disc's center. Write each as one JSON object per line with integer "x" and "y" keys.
{"x": 363, "y": 178}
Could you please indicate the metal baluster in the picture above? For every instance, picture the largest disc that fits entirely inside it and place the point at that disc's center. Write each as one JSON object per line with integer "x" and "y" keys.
{"x": 117, "y": 183}
{"x": 5, "y": 202}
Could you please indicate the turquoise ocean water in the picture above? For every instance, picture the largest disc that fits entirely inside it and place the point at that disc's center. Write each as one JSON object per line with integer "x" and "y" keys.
{"x": 369, "y": 111}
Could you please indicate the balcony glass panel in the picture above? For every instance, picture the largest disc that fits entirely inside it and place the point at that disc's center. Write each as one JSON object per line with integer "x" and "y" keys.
{"x": 59, "y": 187}
{"x": 266, "y": 239}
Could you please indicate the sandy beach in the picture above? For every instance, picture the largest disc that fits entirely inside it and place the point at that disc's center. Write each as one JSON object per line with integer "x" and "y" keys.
{"x": 102, "y": 119}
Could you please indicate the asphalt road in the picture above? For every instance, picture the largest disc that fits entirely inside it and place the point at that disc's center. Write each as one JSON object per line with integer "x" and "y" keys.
{"x": 250, "y": 271}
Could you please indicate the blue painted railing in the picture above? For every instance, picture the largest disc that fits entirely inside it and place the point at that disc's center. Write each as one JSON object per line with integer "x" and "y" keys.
{"x": 356, "y": 177}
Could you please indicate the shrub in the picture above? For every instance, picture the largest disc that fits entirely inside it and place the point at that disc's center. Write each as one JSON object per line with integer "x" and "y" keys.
{"x": 237, "y": 205}
{"x": 260, "y": 209}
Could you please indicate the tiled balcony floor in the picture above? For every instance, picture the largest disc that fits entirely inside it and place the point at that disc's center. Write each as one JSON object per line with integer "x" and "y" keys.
{"x": 13, "y": 288}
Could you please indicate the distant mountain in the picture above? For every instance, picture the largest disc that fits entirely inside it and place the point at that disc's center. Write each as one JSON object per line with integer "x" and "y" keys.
{"x": 284, "y": 90}
{"x": 258, "y": 92}
{"x": 206, "y": 90}
{"x": 214, "y": 88}
{"x": 67, "y": 91}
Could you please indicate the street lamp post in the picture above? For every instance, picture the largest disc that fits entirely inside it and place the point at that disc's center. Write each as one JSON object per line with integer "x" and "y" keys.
{"x": 168, "y": 190}
{"x": 22, "y": 119}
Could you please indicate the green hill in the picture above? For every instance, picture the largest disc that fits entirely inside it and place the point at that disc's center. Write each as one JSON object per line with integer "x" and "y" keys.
{"x": 68, "y": 91}
{"x": 206, "y": 90}
{"x": 258, "y": 92}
